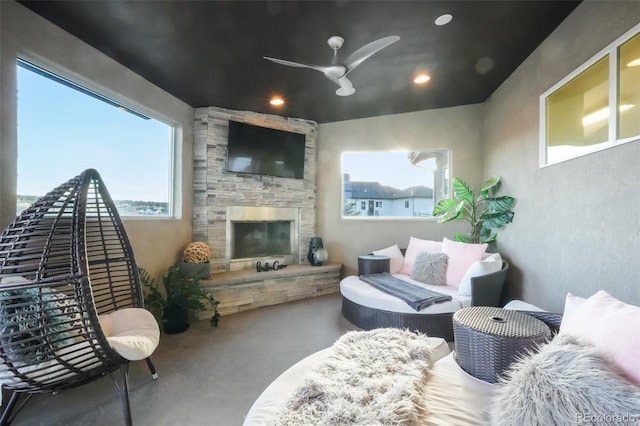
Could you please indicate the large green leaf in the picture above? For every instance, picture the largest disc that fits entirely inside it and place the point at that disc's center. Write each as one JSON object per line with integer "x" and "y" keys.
{"x": 496, "y": 220}
{"x": 491, "y": 238}
{"x": 499, "y": 204}
{"x": 462, "y": 238}
{"x": 448, "y": 209}
{"x": 461, "y": 190}
{"x": 490, "y": 183}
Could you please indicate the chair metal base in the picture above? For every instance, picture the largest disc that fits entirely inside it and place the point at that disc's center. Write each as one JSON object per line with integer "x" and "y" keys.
{"x": 10, "y": 398}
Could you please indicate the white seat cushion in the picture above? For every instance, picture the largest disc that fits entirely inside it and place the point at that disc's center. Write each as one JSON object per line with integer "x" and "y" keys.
{"x": 367, "y": 295}
{"x": 132, "y": 332}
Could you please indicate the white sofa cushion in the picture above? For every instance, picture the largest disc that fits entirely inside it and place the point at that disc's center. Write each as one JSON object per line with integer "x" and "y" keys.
{"x": 132, "y": 332}
{"x": 395, "y": 255}
{"x": 490, "y": 264}
{"x": 367, "y": 295}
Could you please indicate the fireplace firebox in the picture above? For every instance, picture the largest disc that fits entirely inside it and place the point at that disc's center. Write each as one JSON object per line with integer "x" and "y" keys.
{"x": 261, "y": 234}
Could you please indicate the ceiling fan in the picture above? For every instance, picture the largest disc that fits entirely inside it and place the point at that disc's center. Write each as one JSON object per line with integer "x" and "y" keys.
{"x": 337, "y": 71}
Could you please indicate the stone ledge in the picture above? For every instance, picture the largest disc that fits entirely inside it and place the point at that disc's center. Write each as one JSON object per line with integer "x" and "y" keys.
{"x": 244, "y": 290}
{"x": 239, "y": 277}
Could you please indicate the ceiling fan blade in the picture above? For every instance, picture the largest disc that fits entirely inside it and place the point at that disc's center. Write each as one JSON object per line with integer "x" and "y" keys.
{"x": 360, "y": 55}
{"x": 346, "y": 88}
{"x": 295, "y": 64}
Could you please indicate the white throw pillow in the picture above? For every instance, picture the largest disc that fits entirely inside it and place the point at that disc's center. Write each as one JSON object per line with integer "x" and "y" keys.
{"x": 490, "y": 264}
{"x": 394, "y": 253}
{"x": 571, "y": 304}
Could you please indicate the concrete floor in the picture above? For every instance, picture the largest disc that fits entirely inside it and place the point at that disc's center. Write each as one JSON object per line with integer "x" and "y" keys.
{"x": 208, "y": 376}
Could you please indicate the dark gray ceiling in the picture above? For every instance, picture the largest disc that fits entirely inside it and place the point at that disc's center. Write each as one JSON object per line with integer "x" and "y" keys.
{"x": 209, "y": 53}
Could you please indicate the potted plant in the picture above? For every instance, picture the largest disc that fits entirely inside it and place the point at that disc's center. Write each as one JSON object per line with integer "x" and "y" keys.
{"x": 195, "y": 260}
{"x": 179, "y": 294}
{"x": 484, "y": 211}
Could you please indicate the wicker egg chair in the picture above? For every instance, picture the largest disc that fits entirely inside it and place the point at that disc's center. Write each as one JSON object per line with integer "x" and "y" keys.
{"x": 70, "y": 297}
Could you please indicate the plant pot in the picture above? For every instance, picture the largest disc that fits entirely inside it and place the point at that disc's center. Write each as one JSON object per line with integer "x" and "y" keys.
{"x": 192, "y": 269}
{"x": 175, "y": 319}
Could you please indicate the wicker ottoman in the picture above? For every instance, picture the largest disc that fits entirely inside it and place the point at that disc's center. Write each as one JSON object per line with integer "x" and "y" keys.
{"x": 488, "y": 339}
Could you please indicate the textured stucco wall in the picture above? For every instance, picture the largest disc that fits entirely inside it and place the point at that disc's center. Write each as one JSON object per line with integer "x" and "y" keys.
{"x": 458, "y": 129}
{"x": 157, "y": 243}
{"x": 577, "y": 224}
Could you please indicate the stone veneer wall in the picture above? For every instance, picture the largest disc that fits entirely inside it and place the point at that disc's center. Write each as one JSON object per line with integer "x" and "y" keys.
{"x": 214, "y": 188}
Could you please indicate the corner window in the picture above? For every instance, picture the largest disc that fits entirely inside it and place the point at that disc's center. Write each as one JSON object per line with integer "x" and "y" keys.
{"x": 595, "y": 107}
{"x": 65, "y": 128}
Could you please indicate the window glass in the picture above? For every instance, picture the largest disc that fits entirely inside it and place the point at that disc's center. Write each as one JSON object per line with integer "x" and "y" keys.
{"x": 64, "y": 129}
{"x": 629, "y": 89}
{"x": 391, "y": 184}
{"x": 577, "y": 114}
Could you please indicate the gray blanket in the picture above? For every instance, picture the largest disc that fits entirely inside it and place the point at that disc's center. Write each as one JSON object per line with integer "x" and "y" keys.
{"x": 417, "y": 297}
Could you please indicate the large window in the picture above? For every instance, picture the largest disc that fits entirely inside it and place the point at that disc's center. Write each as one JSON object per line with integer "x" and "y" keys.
{"x": 393, "y": 184}
{"x": 629, "y": 88}
{"x": 595, "y": 107}
{"x": 64, "y": 129}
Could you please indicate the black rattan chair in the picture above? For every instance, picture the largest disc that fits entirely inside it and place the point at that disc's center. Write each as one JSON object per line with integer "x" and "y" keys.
{"x": 66, "y": 266}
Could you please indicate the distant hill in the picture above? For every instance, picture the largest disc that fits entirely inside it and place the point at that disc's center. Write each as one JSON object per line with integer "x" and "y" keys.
{"x": 125, "y": 207}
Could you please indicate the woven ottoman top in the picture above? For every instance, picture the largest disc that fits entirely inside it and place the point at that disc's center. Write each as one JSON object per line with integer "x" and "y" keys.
{"x": 501, "y": 322}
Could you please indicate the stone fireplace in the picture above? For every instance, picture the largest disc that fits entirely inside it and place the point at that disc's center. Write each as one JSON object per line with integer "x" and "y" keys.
{"x": 246, "y": 218}
{"x": 261, "y": 234}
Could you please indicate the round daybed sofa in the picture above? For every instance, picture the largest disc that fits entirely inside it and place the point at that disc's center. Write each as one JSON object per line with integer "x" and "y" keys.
{"x": 584, "y": 368}
{"x": 368, "y": 307}
{"x": 452, "y": 395}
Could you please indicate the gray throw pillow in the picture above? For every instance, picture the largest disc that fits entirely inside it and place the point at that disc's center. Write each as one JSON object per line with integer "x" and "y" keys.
{"x": 430, "y": 268}
{"x": 567, "y": 382}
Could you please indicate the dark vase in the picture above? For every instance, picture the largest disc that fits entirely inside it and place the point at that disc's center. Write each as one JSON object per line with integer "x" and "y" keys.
{"x": 317, "y": 254}
{"x": 175, "y": 319}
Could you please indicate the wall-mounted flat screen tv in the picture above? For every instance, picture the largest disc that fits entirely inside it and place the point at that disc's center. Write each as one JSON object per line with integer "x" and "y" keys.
{"x": 265, "y": 151}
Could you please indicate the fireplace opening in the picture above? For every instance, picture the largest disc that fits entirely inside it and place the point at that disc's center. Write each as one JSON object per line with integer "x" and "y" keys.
{"x": 261, "y": 239}
{"x": 261, "y": 234}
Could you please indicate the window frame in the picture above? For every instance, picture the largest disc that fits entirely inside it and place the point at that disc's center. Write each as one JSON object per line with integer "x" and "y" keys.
{"x": 610, "y": 51}
{"x": 92, "y": 89}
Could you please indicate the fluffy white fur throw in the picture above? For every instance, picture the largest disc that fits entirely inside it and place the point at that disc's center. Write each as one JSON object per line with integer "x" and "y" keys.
{"x": 565, "y": 383}
{"x": 372, "y": 377}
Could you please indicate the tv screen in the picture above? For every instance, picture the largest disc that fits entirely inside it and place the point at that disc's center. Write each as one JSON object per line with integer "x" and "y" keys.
{"x": 264, "y": 151}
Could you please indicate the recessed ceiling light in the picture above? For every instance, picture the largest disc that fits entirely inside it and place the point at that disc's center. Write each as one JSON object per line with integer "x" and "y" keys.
{"x": 421, "y": 78}
{"x": 443, "y": 19}
{"x": 276, "y": 101}
{"x": 634, "y": 63}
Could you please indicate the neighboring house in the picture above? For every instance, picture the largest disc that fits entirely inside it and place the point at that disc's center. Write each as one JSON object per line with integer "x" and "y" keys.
{"x": 375, "y": 199}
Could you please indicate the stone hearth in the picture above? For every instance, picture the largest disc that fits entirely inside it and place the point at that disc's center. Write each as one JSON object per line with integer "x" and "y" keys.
{"x": 243, "y": 290}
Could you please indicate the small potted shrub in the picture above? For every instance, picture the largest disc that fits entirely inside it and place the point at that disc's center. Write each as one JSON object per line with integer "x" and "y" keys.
{"x": 195, "y": 260}
{"x": 172, "y": 300}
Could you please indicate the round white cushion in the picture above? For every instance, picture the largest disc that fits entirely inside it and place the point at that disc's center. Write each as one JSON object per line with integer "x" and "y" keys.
{"x": 132, "y": 332}
{"x": 276, "y": 395}
{"x": 367, "y": 295}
